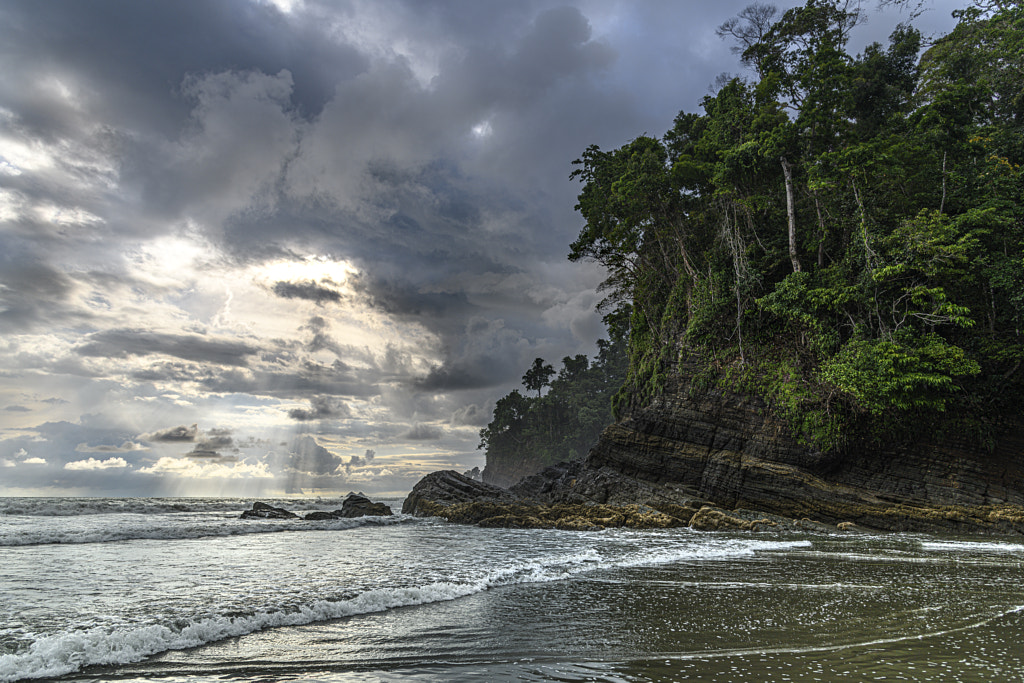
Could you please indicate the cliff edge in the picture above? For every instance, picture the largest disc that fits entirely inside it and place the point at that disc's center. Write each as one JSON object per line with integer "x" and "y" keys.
{"x": 716, "y": 448}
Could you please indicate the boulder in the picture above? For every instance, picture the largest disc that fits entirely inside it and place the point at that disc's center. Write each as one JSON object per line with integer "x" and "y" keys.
{"x": 448, "y": 487}
{"x": 711, "y": 519}
{"x": 356, "y": 505}
{"x": 264, "y": 511}
{"x": 320, "y": 516}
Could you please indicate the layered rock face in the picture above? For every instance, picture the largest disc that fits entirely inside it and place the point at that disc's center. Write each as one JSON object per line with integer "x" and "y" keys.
{"x": 723, "y": 448}
{"x": 698, "y": 455}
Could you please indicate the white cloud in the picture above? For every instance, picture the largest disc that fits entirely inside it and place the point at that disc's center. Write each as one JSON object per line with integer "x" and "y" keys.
{"x": 34, "y": 461}
{"x": 94, "y": 464}
{"x": 364, "y": 476}
{"x": 185, "y": 467}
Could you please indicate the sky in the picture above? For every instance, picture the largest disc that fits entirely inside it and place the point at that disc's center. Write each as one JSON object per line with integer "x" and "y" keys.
{"x": 257, "y": 248}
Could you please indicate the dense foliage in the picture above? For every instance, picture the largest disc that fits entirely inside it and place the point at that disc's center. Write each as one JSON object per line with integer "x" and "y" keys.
{"x": 842, "y": 234}
{"x": 564, "y": 422}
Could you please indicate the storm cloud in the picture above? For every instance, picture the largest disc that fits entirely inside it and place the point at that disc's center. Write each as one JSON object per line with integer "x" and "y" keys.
{"x": 322, "y": 408}
{"x": 124, "y": 343}
{"x": 173, "y": 434}
{"x": 309, "y": 457}
{"x": 306, "y": 290}
{"x": 337, "y": 226}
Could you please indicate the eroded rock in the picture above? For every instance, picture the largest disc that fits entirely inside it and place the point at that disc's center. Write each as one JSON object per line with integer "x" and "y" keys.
{"x": 712, "y": 447}
{"x": 448, "y": 487}
{"x": 531, "y": 515}
{"x": 691, "y": 448}
{"x": 356, "y": 505}
{"x": 264, "y": 511}
{"x": 713, "y": 519}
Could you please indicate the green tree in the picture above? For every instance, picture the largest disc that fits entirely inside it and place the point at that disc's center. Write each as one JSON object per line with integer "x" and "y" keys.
{"x": 538, "y": 376}
{"x": 527, "y": 434}
{"x": 843, "y": 235}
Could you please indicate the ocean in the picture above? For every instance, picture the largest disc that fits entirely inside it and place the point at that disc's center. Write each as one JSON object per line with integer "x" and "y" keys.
{"x": 178, "y": 589}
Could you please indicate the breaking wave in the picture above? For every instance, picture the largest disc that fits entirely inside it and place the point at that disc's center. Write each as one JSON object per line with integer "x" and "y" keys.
{"x": 62, "y": 653}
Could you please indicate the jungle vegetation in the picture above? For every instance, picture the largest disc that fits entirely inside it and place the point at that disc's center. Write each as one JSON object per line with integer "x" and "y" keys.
{"x": 841, "y": 234}
{"x": 565, "y": 422}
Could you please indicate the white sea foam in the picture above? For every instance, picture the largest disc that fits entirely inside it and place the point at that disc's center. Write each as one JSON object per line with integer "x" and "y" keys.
{"x": 972, "y": 546}
{"x": 73, "y": 507}
{"x": 165, "y": 527}
{"x": 62, "y": 653}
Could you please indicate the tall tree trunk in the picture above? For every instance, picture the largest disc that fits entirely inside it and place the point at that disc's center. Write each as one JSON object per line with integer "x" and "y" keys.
{"x": 787, "y": 173}
{"x": 942, "y": 204}
{"x": 869, "y": 254}
{"x": 821, "y": 232}
{"x": 731, "y": 232}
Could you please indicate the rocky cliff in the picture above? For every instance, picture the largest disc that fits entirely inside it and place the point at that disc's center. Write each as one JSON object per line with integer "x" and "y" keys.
{"x": 691, "y": 448}
{"x": 506, "y": 471}
{"x": 726, "y": 449}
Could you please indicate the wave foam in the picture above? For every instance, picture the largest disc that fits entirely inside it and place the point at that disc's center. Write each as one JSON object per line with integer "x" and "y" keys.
{"x": 973, "y": 546}
{"x": 64, "y": 653}
{"x": 73, "y": 507}
{"x": 176, "y": 529}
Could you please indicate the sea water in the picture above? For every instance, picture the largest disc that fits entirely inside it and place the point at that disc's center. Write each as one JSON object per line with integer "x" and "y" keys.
{"x": 185, "y": 590}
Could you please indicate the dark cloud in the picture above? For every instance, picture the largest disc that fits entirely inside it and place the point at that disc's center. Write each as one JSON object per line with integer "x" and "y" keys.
{"x": 310, "y": 380}
{"x": 557, "y": 46}
{"x": 407, "y": 300}
{"x": 490, "y": 354}
{"x": 147, "y": 50}
{"x": 471, "y": 416}
{"x": 354, "y": 461}
{"x": 173, "y": 434}
{"x": 215, "y": 440}
{"x": 122, "y": 343}
{"x": 207, "y": 455}
{"x": 457, "y": 377}
{"x": 309, "y": 457}
{"x": 308, "y": 290}
{"x": 125, "y": 447}
{"x": 208, "y": 444}
{"x": 321, "y": 408}
{"x": 321, "y": 338}
{"x": 18, "y": 409}
{"x": 31, "y": 292}
{"x": 422, "y": 432}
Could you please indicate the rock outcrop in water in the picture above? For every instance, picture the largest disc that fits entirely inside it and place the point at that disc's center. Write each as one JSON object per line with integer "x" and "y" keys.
{"x": 460, "y": 499}
{"x": 448, "y": 487}
{"x": 725, "y": 452}
{"x": 264, "y": 511}
{"x": 354, "y": 505}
